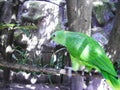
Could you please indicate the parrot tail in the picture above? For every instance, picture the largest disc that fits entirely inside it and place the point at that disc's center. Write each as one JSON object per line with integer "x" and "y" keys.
{"x": 113, "y": 81}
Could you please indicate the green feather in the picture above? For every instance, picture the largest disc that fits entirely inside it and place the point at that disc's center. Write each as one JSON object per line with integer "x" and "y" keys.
{"x": 86, "y": 51}
{"x": 75, "y": 63}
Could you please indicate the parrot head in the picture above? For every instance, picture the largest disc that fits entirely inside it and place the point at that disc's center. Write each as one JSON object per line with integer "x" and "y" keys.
{"x": 58, "y": 37}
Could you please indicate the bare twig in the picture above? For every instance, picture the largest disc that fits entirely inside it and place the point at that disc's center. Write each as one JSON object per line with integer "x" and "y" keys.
{"x": 30, "y": 68}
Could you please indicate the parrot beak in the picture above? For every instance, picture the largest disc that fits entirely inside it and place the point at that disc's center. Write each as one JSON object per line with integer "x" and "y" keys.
{"x": 52, "y": 43}
{"x": 50, "y": 38}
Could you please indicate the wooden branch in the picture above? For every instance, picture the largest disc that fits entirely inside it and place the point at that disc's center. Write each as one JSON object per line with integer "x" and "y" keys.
{"x": 30, "y": 68}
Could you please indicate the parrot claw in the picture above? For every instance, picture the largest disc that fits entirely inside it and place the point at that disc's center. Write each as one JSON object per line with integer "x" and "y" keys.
{"x": 69, "y": 71}
{"x": 90, "y": 74}
{"x": 83, "y": 73}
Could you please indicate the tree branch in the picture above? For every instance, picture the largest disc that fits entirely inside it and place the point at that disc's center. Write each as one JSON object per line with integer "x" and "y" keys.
{"x": 30, "y": 68}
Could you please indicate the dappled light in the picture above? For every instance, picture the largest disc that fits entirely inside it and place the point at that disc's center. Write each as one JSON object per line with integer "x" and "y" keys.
{"x": 33, "y": 80}
{"x": 19, "y": 86}
{"x": 59, "y": 44}
{"x": 98, "y": 3}
{"x": 30, "y": 87}
{"x": 47, "y": 21}
{"x": 9, "y": 49}
{"x": 103, "y": 85}
{"x": 26, "y": 75}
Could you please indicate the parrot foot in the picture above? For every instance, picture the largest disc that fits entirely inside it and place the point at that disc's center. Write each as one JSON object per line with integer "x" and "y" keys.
{"x": 86, "y": 71}
{"x": 90, "y": 74}
{"x": 69, "y": 71}
{"x": 83, "y": 73}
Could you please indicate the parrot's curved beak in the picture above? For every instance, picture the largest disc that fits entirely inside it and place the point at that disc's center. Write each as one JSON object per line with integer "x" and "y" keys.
{"x": 51, "y": 37}
{"x": 51, "y": 41}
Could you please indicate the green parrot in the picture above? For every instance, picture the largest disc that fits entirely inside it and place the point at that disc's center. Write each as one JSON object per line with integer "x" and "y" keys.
{"x": 84, "y": 50}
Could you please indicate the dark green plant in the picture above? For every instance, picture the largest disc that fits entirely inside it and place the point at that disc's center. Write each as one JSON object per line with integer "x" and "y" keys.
{"x": 22, "y": 55}
{"x": 57, "y": 59}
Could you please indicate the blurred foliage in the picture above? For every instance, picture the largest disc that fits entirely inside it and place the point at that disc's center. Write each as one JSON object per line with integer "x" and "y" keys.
{"x": 22, "y": 56}
{"x": 3, "y": 26}
{"x": 16, "y": 26}
{"x": 102, "y": 12}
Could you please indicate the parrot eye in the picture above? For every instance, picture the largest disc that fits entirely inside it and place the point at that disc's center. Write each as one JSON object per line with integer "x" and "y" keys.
{"x": 53, "y": 35}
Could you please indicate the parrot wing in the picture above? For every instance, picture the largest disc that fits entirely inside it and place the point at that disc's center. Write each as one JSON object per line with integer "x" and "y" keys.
{"x": 76, "y": 63}
{"x": 94, "y": 56}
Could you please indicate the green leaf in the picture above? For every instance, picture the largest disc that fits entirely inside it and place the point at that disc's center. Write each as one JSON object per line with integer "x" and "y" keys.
{"x": 3, "y": 26}
{"x": 16, "y": 26}
{"x": 26, "y": 27}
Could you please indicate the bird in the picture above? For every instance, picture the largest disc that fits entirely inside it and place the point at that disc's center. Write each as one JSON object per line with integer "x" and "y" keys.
{"x": 84, "y": 50}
